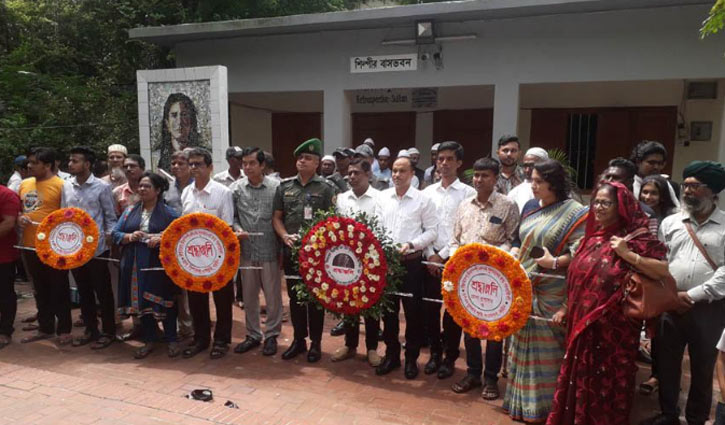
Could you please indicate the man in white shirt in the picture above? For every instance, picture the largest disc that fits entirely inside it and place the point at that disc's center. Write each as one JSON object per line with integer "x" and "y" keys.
{"x": 234, "y": 172}
{"x": 211, "y": 197}
{"x": 522, "y": 193}
{"x": 447, "y": 194}
{"x": 385, "y": 173}
{"x": 410, "y": 218}
{"x": 362, "y": 198}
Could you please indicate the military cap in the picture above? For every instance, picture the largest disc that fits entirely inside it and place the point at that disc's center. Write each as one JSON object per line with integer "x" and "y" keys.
{"x": 313, "y": 146}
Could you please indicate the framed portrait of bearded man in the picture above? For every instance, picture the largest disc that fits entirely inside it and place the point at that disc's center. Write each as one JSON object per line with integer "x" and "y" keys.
{"x": 182, "y": 108}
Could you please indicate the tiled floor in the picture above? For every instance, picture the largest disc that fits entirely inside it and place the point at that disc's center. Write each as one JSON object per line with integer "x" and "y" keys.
{"x": 41, "y": 383}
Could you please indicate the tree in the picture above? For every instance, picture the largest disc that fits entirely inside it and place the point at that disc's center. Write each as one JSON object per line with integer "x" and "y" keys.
{"x": 715, "y": 19}
{"x": 68, "y": 68}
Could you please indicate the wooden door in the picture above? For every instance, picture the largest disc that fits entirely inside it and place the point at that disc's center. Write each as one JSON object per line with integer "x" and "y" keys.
{"x": 472, "y": 128}
{"x": 288, "y": 131}
{"x": 396, "y": 130}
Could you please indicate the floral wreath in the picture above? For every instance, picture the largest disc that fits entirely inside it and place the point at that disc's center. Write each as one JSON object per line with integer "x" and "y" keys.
{"x": 508, "y": 280}
{"x": 178, "y": 250}
{"x": 363, "y": 284}
{"x": 80, "y": 238}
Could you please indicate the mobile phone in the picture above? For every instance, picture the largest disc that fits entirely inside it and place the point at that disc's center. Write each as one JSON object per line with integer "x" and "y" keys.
{"x": 537, "y": 252}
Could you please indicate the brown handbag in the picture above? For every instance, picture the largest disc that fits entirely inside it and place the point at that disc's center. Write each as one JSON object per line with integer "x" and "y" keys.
{"x": 646, "y": 298}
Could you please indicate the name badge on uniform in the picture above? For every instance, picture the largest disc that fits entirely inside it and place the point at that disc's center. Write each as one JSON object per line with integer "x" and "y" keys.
{"x": 308, "y": 212}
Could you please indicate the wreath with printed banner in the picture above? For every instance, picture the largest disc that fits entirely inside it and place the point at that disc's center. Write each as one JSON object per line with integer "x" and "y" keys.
{"x": 66, "y": 238}
{"x": 348, "y": 266}
{"x": 486, "y": 291}
{"x": 199, "y": 252}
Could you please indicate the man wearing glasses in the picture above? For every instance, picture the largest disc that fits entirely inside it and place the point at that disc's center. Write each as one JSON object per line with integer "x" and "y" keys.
{"x": 522, "y": 193}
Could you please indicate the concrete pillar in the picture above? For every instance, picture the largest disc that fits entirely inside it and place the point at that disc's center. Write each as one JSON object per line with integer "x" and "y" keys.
{"x": 336, "y": 120}
{"x": 505, "y": 111}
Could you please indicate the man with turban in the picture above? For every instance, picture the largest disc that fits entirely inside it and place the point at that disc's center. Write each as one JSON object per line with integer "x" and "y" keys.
{"x": 695, "y": 238}
{"x": 522, "y": 193}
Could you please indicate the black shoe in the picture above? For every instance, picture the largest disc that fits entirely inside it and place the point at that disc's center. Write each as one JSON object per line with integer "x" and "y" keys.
{"x": 411, "y": 369}
{"x": 661, "y": 419}
{"x": 315, "y": 353}
{"x": 446, "y": 370}
{"x": 388, "y": 365}
{"x": 298, "y": 346}
{"x": 270, "y": 346}
{"x": 194, "y": 349}
{"x": 433, "y": 364}
{"x": 246, "y": 345}
{"x": 339, "y": 329}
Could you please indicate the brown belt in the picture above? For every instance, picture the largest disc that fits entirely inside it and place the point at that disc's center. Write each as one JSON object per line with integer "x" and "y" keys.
{"x": 413, "y": 256}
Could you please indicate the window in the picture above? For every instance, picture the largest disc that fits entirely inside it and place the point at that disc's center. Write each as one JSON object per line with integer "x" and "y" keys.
{"x": 581, "y": 147}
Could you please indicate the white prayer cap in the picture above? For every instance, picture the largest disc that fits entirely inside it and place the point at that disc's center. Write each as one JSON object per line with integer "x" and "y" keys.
{"x": 118, "y": 148}
{"x": 384, "y": 152}
{"x": 328, "y": 158}
{"x": 435, "y": 147}
{"x": 369, "y": 141}
{"x": 413, "y": 151}
{"x": 538, "y": 152}
{"x": 403, "y": 154}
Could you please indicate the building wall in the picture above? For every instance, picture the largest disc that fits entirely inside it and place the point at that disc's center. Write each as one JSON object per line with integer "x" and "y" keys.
{"x": 510, "y": 55}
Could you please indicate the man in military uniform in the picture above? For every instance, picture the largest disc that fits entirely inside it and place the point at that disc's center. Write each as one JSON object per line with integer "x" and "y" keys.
{"x": 295, "y": 202}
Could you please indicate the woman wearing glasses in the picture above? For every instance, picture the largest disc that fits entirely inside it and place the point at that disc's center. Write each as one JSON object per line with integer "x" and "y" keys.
{"x": 597, "y": 376}
{"x": 149, "y": 295}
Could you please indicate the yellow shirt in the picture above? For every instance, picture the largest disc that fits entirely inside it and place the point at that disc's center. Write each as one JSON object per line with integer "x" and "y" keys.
{"x": 39, "y": 199}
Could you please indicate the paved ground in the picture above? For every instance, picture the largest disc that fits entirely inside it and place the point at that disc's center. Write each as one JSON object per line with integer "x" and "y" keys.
{"x": 41, "y": 383}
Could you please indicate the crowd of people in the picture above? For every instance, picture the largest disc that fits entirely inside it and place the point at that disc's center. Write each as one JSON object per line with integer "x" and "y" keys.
{"x": 574, "y": 362}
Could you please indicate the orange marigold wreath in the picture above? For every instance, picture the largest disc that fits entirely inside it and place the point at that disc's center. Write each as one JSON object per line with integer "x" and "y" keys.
{"x": 199, "y": 252}
{"x": 486, "y": 291}
{"x": 66, "y": 238}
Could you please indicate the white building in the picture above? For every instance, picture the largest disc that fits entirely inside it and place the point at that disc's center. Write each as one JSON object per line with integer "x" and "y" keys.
{"x": 588, "y": 76}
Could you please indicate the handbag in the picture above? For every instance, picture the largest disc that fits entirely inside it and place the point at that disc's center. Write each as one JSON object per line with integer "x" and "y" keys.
{"x": 646, "y": 298}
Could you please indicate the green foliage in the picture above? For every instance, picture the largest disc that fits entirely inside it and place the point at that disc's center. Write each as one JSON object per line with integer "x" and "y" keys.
{"x": 68, "y": 69}
{"x": 715, "y": 20}
{"x": 562, "y": 158}
{"x": 394, "y": 277}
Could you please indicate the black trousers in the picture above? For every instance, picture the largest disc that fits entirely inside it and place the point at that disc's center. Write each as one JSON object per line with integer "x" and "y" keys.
{"x": 94, "y": 280}
{"x": 413, "y": 282}
{"x": 8, "y": 299}
{"x": 494, "y": 358}
{"x": 352, "y": 334}
{"x": 307, "y": 320}
{"x": 201, "y": 316}
{"x": 699, "y": 330}
{"x": 52, "y": 295}
{"x": 451, "y": 337}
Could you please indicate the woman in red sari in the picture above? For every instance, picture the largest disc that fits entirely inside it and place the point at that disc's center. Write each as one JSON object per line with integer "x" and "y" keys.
{"x": 596, "y": 381}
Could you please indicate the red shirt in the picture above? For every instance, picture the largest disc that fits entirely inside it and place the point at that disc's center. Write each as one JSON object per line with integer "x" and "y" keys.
{"x": 9, "y": 206}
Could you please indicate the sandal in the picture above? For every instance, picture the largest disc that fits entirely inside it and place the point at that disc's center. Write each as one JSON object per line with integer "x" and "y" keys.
{"x": 65, "y": 339}
{"x": 85, "y": 339}
{"x": 173, "y": 350}
{"x": 31, "y": 327}
{"x": 4, "y": 341}
{"x": 490, "y": 391}
{"x": 649, "y": 386}
{"x": 102, "y": 342}
{"x": 37, "y": 337}
{"x": 144, "y": 351}
{"x": 218, "y": 351}
{"x": 193, "y": 350}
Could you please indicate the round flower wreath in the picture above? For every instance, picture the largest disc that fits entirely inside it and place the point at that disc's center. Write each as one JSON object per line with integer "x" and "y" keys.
{"x": 88, "y": 241}
{"x": 183, "y": 278}
{"x": 478, "y": 254}
{"x": 354, "y": 237}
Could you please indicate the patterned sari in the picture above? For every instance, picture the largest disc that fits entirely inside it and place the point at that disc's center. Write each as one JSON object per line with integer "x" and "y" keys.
{"x": 596, "y": 383}
{"x": 537, "y": 349}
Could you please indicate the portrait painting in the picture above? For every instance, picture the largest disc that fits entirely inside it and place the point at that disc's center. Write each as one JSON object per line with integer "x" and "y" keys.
{"x": 182, "y": 108}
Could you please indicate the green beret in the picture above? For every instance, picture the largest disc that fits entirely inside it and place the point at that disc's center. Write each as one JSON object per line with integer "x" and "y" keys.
{"x": 710, "y": 173}
{"x": 313, "y": 146}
